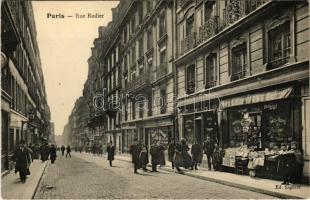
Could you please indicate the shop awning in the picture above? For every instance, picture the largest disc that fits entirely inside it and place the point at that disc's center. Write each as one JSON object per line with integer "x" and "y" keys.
{"x": 257, "y": 97}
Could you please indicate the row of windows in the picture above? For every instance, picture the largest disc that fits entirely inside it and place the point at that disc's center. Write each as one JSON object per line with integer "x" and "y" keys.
{"x": 142, "y": 108}
{"x": 279, "y": 50}
{"x": 19, "y": 102}
{"x": 203, "y": 22}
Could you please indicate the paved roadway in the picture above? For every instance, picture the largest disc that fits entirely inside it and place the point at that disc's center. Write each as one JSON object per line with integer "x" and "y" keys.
{"x": 85, "y": 176}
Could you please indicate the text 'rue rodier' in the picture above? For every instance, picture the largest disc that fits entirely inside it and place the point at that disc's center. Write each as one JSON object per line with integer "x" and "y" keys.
{"x": 76, "y": 15}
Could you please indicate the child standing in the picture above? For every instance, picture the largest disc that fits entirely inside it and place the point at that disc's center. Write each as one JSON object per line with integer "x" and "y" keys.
{"x": 253, "y": 155}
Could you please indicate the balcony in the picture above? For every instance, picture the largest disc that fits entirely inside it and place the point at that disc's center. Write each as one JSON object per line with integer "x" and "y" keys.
{"x": 238, "y": 75}
{"x": 211, "y": 84}
{"x": 236, "y": 9}
{"x": 139, "y": 81}
{"x": 161, "y": 70}
{"x": 188, "y": 43}
{"x": 208, "y": 29}
{"x": 190, "y": 89}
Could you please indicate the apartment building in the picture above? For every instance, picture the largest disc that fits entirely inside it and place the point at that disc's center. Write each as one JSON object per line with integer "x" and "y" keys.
{"x": 242, "y": 72}
{"x": 25, "y": 113}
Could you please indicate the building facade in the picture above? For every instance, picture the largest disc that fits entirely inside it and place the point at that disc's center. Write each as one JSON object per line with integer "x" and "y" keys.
{"x": 24, "y": 108}
{"x": 242, "y": 72}
{"x": 234, "y": 70}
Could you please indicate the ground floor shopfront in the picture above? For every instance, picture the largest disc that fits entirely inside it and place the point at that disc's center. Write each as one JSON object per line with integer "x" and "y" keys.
{"x": 147, "y": 131}
{"x": 6, "y": 148}
{"x": 259, "y": 118}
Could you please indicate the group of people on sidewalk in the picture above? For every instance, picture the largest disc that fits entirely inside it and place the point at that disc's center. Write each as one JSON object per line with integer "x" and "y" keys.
{"x": 23, "y": 157}
{"x": 178, "y": 154}
{"x": 140, "y": 157}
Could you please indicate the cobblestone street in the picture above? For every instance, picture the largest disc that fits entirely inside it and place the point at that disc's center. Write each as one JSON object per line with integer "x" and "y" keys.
{"x": 86, "y": 176}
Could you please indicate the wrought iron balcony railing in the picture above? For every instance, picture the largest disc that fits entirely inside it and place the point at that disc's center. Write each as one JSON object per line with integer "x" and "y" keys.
{"x": 190, "y": 89}
{"x": 188, "y": 43}
{"x": 139, "y": 81}
{"x": 208, "y": 29}
{"x": 211, "y": 84}
{"x": 238, "y": 8}
{"x": 238, "y": 75}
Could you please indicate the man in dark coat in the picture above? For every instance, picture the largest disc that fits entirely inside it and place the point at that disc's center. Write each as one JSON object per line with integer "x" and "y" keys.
{"x": 53, "y": 153}
{"x": 44, "y": 151}
{"x": 208, "y": 147}
{"x": 63, "y": 148}
{"x": 110, "y": 151}
{"x": 135, "y": 150}
{"x": 171, "y": 148}
{"x": 196, "y": 152}
{"x": 68, "y": 151}
{"x": 155, "y": 156}
{"x": 22, "y": 158}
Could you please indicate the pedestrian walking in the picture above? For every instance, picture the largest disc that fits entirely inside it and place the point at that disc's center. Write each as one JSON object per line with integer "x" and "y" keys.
{"x": 187, "y": 159}
{"x": 171, "y": 148}
{"x": 155, "y": 155}
{"x": 53, "y": 153}
{"x": 143, "y": 158}
{"x": 208, "y": 147}
{"x": 110, "y": 151}
{"x": 68, "y": 151}
{"x": 44, "y": 151}
{"x": 135, "y": 150}
{"x": 197, "y": 154}
{"x": 63, "y": 148}
{"x": 22, "y": 161}
{"x": 178, "y": 159}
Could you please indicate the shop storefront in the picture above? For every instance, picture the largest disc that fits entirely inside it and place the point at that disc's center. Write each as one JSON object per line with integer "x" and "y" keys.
{"x": 272, "y": 118}
{"x": 129, "y": 135}
{"x": 200, "y": 124}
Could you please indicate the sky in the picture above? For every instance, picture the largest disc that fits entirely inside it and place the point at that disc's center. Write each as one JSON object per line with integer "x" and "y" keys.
{"x": 64, "y": 45}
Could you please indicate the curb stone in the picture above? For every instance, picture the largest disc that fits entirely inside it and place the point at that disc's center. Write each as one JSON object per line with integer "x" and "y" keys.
{"x": 43, "y": 172}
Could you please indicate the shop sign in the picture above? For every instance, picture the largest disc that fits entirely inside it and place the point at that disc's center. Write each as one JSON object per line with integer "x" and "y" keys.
{"x": 270, "y": 106}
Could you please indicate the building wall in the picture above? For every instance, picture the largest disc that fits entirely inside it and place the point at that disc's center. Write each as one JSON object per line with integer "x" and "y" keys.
{"x": 255, "y": 36}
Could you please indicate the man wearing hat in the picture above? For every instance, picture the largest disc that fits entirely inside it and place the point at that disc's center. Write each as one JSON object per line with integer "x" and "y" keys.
{"x": 135, "y": 150}
{"x": 22, "y": 159}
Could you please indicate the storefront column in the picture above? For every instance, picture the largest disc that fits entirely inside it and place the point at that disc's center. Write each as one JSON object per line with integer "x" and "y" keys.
{"x": 181, "y": 131}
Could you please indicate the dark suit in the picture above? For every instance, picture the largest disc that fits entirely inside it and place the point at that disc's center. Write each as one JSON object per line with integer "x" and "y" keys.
{"x": 22, "y": 159}
{"x": 53, "y": 154}
{"x": 110, "y": 150}
{"x": 135, "y": 153}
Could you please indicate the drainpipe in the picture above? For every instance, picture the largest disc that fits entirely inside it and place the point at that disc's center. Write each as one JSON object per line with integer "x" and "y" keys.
{"x": 174, "y": 46}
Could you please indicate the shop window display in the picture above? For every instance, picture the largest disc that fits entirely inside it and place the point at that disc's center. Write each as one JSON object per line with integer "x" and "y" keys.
{"x": 245, "y": 127}
{"x": 277, "y": 122}
{"x": 189, "y": 128}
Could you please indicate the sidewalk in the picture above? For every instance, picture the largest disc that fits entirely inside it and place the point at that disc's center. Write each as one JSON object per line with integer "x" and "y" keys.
{"x": 265, "y": 186}
{"x": 12, "y": 188}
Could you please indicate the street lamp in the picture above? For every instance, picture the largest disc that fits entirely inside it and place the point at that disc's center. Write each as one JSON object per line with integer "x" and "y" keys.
{"x": 30, "y": 119}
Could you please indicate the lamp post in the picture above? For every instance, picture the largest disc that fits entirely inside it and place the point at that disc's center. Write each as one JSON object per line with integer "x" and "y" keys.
{"x": 30, "y": 119}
